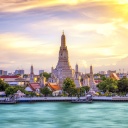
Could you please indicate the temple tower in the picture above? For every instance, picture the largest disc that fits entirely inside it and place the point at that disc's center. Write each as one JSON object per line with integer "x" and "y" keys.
{"x": 63, "y": 61}
{"x": 76, "y": 72}
{"x": 77, "y": 77}
{"x": 31, "y": 74}
{"x": 91, "y": 81}
{"x": 63, "y": 68}
{"x": 42, "y": 80}
{"x": 85, "y": 80}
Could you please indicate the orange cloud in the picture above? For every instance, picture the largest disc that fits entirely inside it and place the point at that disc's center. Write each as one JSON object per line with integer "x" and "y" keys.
{"x": 18, "y": 5}
{"x": 22, "y": 44}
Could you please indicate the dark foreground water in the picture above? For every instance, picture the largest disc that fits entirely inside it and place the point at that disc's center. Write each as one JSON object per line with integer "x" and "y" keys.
{"x": 64, "y": 115}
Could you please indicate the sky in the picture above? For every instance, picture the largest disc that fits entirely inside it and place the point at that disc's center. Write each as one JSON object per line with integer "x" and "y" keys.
{"x": 96, "y": 34}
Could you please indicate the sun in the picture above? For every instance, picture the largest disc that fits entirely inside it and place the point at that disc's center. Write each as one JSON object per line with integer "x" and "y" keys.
{"x": 107, "y": 52}
{"x": 122, "y": 1}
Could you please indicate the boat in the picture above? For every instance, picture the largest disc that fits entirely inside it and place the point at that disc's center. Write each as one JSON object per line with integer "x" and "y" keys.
{"x": 7, "y": 102}
{"x": 88, "y": 99}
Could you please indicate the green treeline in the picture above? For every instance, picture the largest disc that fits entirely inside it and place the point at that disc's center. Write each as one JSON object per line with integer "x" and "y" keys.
{"x": 114, "y": 86}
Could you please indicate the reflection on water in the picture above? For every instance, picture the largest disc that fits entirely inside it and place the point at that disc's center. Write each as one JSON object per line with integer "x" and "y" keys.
{"x": 64, "y": 115}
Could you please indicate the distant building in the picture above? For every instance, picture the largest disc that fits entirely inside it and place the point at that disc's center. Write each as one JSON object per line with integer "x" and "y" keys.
{"x": 1, "y": 72}
{"x": 21, "y": 72}
{"x": 97, "y": 77}
{"x": 14, "y": 80}
{"x": 10, "y": 74}
{"x": 41, "y": 71}
{"x": 5, "y": 72}
{"x": 110, "y": 72}
{"x": 122, "y": 75}
{"x": 102, "y": 72}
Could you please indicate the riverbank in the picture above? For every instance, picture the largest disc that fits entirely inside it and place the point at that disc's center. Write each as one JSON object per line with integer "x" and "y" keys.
{"x": 66, "y": 99}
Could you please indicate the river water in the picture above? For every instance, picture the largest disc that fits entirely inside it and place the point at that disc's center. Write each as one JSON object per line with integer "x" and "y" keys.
{"x": 64, "y": 115}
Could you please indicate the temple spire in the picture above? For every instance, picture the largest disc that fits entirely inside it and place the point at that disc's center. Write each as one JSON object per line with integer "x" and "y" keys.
{"x": 92, "y": 81}
{"x": 63, "y": 32}
{"x": 31, "y": 74}
{"x": 76, "y": 68}
{"x": 63, "y": 40}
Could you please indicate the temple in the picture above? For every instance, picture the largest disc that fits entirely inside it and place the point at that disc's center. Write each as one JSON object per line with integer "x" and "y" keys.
{"x": 63, "y": 68}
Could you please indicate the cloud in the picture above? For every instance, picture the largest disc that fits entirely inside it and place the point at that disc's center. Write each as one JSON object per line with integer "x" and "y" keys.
{"x": 96, "y": 32}
{"x": 19, "y": 5}
{"x": 102, "y": 17}
{"x": 22, "y": 50}
{"x": 24, "y": 5}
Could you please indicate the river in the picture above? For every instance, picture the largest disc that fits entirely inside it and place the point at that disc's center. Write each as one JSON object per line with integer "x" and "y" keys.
{"x": 64, "y": 115}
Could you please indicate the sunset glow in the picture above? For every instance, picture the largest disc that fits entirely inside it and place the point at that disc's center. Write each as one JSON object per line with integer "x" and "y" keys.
{"x": 96, "y": 33}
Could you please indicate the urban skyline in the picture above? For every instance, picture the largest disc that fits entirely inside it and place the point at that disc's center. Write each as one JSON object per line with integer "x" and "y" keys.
{"x": 96, "y": 33}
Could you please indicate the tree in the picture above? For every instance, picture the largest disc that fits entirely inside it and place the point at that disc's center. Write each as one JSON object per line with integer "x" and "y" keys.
{"x": 73, "y": 91}
{"x": 3, "y": 85}
{"x": 103, "y": 78}
{"x": 83, "y": 89}
{"x": 13, "y": 89}
{"x": 25, "y": 75}
{"x": 46, "y": 91}
{"x": 10, "y": 90}
{"x": 108, "y": 84}
{"x": 68, "y": 86}
{"x": 46, "y": 75}
{"x": 78, "y": 92}
{"x": 123, "y": 85}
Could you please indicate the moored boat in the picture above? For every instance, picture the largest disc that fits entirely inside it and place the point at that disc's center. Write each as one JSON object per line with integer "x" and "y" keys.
{"x": 7, "y": 102}
{"x": 88, "y": 99}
